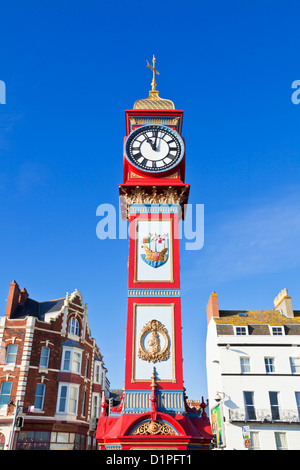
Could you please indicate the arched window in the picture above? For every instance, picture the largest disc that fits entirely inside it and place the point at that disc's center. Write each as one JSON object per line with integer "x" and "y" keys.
{"x": 74, "y": 326}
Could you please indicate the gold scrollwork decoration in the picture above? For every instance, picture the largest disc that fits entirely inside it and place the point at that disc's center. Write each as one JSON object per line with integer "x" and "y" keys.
{"x": 154, "y": 427}
{"x": 155, "y": 353}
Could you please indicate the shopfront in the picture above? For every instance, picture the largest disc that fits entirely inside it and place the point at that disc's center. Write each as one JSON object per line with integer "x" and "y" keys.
{"x": 57, "y": 436}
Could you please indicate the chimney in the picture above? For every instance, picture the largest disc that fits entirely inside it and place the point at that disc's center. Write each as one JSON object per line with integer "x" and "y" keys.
{"x": 23, "y": 295}
{"x": 283, "y": 302}
{"x": 13, "y": 299}
{"x": 212, "y": 308}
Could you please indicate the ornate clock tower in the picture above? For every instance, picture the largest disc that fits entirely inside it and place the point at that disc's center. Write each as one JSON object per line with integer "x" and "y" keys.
{"x": 153, "y": 411}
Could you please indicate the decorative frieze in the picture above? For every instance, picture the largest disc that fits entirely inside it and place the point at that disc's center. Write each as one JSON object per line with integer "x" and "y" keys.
{"x": 153, "y": 195}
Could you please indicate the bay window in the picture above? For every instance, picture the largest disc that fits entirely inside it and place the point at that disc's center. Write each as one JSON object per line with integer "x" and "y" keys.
{"x": 71, "y": 360}
{"x": 67, "y": 398}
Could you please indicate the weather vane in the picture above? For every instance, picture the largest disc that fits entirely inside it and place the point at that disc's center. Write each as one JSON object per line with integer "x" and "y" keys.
{"x": 152, "y": 67}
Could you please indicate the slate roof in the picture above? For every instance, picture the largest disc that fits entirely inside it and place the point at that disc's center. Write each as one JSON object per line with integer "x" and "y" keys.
{"x": 37, "y": 309}
{"x": 71, "y": 343}
{"x": 246, "y": 317}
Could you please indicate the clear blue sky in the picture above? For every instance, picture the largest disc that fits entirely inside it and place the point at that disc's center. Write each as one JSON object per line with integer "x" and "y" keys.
{"x": 71, "y": 68}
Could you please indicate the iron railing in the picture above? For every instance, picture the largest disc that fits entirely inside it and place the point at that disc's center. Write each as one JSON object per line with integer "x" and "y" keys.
{"x": 268, "y": 415}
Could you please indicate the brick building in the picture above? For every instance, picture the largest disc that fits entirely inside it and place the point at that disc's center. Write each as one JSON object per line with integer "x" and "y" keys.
{"x": 52, "y": 375}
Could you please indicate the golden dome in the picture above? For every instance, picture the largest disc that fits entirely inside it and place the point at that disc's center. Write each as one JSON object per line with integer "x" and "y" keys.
{"x": 153, "y": 102}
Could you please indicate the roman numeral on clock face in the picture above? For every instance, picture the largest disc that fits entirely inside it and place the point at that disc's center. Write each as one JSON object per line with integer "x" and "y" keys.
{"x": 142, "y": 161}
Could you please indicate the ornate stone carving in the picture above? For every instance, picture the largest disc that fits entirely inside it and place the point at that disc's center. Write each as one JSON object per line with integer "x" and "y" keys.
{"x": 154, "y": 353}
{"x": 153, "y": 195}
{"x": 154, "y": 427}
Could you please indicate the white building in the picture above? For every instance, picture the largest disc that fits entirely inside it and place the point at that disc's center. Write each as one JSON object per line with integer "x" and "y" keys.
{"x": 253, "y": 376}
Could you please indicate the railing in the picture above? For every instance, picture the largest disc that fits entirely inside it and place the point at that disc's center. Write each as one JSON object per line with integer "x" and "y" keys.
{"x": 265, "y": 416}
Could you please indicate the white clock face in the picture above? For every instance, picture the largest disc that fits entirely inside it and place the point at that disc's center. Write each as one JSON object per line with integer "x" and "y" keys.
{"x": 154, "y": 148}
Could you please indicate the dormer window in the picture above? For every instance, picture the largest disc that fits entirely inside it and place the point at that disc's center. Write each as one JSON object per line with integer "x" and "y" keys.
{"x": 74, "y": 326}
{"x": 241, "y": 330}
{"x": 277, "y": 330}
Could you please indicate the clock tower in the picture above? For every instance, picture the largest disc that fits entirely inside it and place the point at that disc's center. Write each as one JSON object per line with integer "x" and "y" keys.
{"x": 153, "y": 412}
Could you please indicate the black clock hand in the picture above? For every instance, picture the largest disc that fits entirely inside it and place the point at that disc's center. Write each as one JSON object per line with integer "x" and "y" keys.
{"x": 155, "y": 139}
{"x": 149, "y": 141}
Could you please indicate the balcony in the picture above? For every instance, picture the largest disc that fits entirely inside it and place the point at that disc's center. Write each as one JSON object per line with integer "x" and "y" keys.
{"x": 276, "y": 415}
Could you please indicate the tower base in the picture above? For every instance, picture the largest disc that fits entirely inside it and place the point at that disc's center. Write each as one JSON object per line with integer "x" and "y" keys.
{"x": 153, "y": 430}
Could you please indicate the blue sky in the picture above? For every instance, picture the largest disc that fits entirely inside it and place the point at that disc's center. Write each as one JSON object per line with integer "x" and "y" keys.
{"x": 71, "y": 68}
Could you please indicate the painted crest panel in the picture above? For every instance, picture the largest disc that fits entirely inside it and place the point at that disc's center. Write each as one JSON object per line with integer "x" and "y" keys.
{"x": 154, "y": 251}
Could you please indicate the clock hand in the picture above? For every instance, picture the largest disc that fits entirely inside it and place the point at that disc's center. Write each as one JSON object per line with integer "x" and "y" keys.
{"x": 149, "y": 141}
{"x": 155, "y": 140}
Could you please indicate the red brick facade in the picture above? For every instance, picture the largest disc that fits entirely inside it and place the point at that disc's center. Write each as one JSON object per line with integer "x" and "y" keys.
{"x": 48, "y": 361}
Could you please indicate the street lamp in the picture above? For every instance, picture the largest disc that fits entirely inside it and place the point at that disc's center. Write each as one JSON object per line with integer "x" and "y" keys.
{"x": 14, "y": 422}
{"x": 219, "y": 396}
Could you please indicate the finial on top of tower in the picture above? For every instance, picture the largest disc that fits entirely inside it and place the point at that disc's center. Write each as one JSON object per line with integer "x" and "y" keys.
{"x": 153, "y": 92}
{"x": 153, "y": 101}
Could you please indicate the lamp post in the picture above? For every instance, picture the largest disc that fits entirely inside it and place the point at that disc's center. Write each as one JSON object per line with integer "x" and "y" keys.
{"x": 14, "y": 423}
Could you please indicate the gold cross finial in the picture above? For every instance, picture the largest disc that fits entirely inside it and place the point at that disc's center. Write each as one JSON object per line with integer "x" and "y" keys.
{"x": 153, "y": 83}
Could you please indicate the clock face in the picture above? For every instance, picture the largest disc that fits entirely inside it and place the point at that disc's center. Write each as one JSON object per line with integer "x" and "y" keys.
{"x": 154, "y": 148}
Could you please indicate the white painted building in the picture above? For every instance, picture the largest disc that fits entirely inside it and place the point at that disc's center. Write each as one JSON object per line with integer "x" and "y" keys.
{"x": 253, "y": 376}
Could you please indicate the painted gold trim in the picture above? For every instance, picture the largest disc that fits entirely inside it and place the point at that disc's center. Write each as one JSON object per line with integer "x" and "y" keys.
{"x": 134, "y": 175}
{"x": 151, "y": 427}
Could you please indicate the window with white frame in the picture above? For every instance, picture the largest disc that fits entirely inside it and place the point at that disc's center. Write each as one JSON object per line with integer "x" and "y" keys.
{"x": 67, "y": 398}
{"x": 250, "y": 412}
{"x": 76, "y": 362}
{"x": 39, "y": 397}
{"x": 295, "y": 365}
{"x": 71, "y": 360}
{"x": 5, "y": 391}
{"x": 83, "y": 403}
{"x": 277, "y": 330}
{"x": 96, "y": 405}
{"x": 281, "y": 441}
{"x": 245, "y": 364}
{"x": 297, "y": 396}
{"x": 241, "y": 330}
{"x": 73, "y": 397}
{"x": 11, "y": 354}
{"x": 254, "y": 440}
{"x": 44, "y": 359}
{"x": 269, "y": 365}
{"x": 74, "y": 326}
{"x": 97, "y": 377}
{"x": 274, "y": 405}
{"x": 86, "y": 367}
